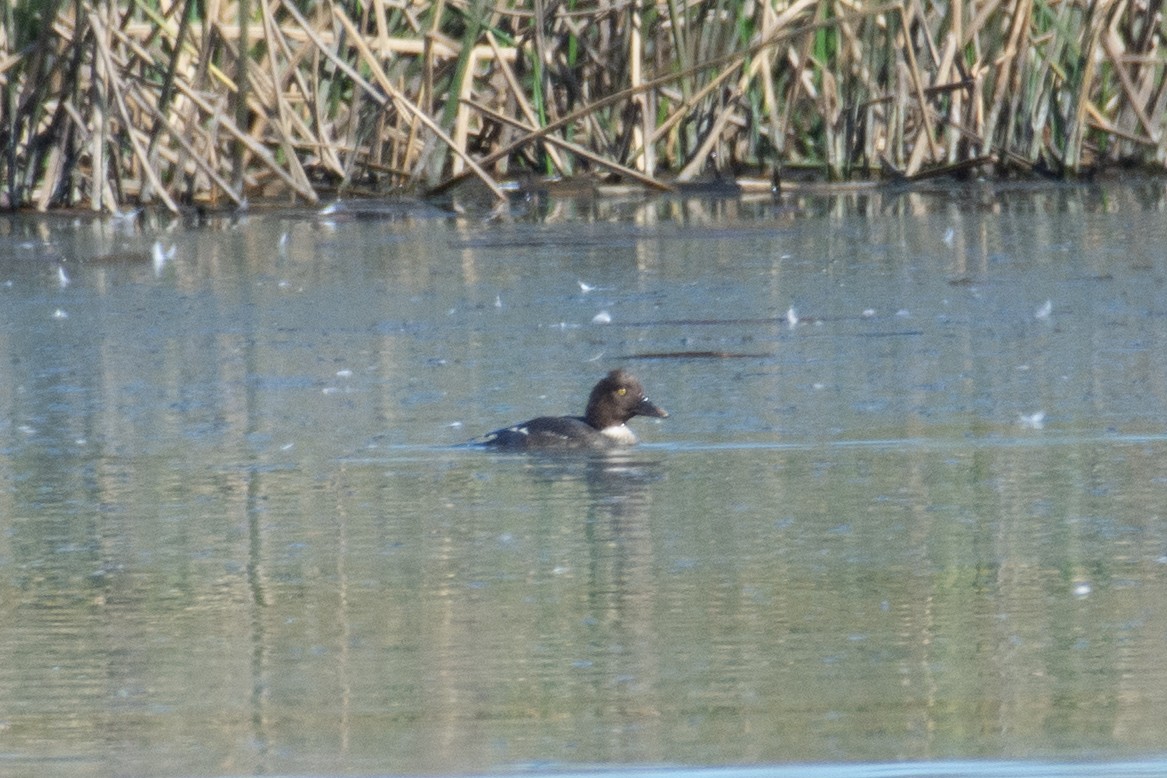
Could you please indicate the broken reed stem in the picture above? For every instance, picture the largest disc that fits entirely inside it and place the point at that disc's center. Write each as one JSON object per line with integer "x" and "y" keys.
{"x": 403, "y": 102}
{"x": 575, "y": 148}
{"x": 180, "y": 101}
{"x": 660, "y": 81}
{"x": 114, "y": 88}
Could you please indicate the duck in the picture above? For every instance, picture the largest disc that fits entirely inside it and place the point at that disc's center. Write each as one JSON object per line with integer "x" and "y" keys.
{"x": 615, "y": 399}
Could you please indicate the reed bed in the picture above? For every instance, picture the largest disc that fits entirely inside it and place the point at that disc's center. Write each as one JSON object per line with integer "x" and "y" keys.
{"x": 181, "y": 102}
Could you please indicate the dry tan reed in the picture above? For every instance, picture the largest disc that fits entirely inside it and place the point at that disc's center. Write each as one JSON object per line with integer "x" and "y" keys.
{"x": 178, "y": 102}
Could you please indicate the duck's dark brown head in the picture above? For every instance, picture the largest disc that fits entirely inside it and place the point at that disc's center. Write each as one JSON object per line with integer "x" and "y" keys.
{"x": 616, "y": 399}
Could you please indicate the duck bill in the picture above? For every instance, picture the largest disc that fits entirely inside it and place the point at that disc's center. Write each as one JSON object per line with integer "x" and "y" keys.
{"x": 646, "y": 408}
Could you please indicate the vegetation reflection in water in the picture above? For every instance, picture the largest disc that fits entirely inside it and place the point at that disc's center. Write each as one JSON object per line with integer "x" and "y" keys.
{"x": 236, "y": 538}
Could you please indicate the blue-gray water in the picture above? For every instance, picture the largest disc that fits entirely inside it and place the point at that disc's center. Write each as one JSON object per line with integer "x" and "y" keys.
{"x": 909, "y": 503}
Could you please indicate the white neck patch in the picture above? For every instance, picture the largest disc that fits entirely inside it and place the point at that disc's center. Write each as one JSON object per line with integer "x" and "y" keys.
{"x": 620, "y": 434}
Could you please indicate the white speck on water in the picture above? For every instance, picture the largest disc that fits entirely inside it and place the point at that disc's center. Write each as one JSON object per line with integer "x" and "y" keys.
{"x": 584, "y": 287}
{"x": 1083, "y": 589}
{"x": 287, "y": 447}
{"x": 868, "y": 313}
{"x": 1032, "y": 421}
{"x": 949, "y": 236}
{"x": 603, "y": 317}
{"x": 62, "y": 278}
{"x": 791, "y": 317}
{"x": 498, "y": 301}
{"x": 344, "y": 373}
{"x": 1044, "y": 311}
{"x": 903, "y": 313}
{"x": 159, "y": 256}
{"x": 59, "y": 314}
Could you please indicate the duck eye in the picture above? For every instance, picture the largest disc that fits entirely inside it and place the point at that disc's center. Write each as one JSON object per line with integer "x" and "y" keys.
{"x": 621, "y": 391}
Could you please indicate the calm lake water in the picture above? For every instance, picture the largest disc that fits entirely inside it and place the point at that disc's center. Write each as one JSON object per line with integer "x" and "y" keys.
{"x": 909, "y": 506}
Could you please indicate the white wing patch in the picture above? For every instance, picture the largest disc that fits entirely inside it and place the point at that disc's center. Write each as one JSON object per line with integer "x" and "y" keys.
{"x": 493, "y": 436}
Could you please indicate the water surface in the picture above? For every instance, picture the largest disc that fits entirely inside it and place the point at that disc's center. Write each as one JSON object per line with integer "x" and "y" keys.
{"x": 907, "y": 506}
